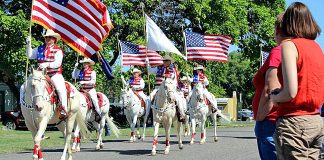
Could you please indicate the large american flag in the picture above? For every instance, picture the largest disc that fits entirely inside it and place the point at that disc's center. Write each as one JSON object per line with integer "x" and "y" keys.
{"x": 133, "y": 54}
{"x": 82, "y": 24}
{"x": 210, "y": 47}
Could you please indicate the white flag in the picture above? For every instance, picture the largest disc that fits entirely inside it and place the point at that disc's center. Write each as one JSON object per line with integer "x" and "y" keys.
{"x": 156, "y": 39}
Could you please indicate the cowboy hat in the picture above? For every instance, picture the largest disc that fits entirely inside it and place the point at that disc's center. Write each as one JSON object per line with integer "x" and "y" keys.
{"x": 168, "y": 58}
{"x": 184, "y": 78}
{"x": 199, "y": 67}
{"x": 87, "y": 60}
{"x": 51, "y": 33}
{"x": 135, "y": 70}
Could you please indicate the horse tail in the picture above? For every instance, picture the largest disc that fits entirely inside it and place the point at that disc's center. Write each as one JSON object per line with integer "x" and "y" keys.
{"x": 81, "y": 121}
{"x": 223, "y": 116}
{"x": 112, "y": 126}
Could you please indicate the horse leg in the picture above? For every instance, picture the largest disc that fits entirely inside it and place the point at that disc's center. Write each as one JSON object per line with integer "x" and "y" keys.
{"x": 101, "y": 127}
{"x": 129, "y": 120}
{"x": 215, "y": 126}
{"x": 38, "y": 138}
{"x": 138, "y": 128}
{"x": 167, "y": 127}
{"x": 75, "y": 139}
{"x": 155, "y": 137}
{"x": 193, "y": 132}
{"x": 203, "y": 130}
{"x": 134, "y": 120}
{"x": 69, "y": 127}
{"x": 179, "y": 129}
{"x": 147, "y": 112}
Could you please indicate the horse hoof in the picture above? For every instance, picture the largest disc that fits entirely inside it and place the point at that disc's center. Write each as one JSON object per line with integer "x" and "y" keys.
{"x": 181, "y": 146}
{"x": 101, "y": 146}
{"x": 192, "y": 142}
{"x": 215, "y": 140}
{"x": 153, "y": 153}
{"x": 202, "y": 142}
{"x": 78, "y": 149}
{"x": 97, "y": 148}
{"x": 35, "y": 157}
{"x": 166, "y": 152}
{"x": 139, "y": 137}
{"x": 74, "y": 150}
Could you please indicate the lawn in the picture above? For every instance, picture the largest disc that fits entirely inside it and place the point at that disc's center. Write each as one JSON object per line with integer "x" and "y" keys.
{"x": 20, "y": 140}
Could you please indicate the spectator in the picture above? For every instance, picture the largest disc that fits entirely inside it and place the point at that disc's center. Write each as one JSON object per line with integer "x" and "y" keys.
{"x": 264, "y": 112}
{"x": 299, "y": 128}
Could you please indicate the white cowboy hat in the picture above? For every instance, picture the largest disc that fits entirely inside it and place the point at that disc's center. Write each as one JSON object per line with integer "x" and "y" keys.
{"x": 168, "y": 58}
{"x": 135, "y": 70}
{"x": 88, "y": 60}
{"x": 51, "y": 33}
{"x": 184, "y": 78}
{"x": 199, "y": 67}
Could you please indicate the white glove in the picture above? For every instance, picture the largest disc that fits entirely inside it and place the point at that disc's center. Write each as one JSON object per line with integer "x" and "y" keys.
{"x": 28, "y": 39}
{"x": 147, "y": 61}
{"x": 76, "y": 65}
{"x": 43, "y": 65}
{"x": 122, "y": 77}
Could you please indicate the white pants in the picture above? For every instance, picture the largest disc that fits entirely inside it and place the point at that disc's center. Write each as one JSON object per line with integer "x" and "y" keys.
{"x": 93, "y": 95}
{"x": 211, "y": 98}
{"x": 146, "y": 100}
{"x": 59, "y": 83}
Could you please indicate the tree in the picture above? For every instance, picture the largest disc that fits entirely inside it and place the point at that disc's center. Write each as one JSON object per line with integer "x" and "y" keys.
{"x": 248, "y": 22}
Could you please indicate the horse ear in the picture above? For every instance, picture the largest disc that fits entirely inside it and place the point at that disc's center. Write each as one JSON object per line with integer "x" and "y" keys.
{"x": 32, "y": 69}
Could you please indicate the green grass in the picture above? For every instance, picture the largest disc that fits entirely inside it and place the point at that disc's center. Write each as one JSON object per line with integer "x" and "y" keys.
{"x": 18, "y": 141}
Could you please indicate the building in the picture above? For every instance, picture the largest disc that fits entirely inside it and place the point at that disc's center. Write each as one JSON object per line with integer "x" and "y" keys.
{"x": 228, "y": 106}
{"x": 8, "y": 101}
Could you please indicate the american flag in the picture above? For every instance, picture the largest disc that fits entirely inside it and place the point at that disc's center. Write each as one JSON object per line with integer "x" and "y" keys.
{"x": 264, "y": 57}
{"x": 82, "y": 24}
{"x": 133, "y": 54}
{"x": 210, "y": 47}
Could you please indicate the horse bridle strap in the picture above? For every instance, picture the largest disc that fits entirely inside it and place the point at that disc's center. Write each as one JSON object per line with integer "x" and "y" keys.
{"x": 162, "y": 110}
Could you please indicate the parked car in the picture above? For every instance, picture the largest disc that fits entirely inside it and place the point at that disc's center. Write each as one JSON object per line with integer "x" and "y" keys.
{"x": 245, "y": 115}
{"x": 13, "y": 120}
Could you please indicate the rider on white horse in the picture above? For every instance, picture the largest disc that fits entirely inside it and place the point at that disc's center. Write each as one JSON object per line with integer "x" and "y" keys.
{"x": 200, "y": 77}
{"x": 137, "y": 84}
{"x": 87, "y": 79}
{"x": 185, "y": 86}
{"x": 168, "y": 69}
{"x": 50, "y": 56}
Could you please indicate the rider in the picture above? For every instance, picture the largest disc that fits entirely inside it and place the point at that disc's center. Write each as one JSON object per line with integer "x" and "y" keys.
{"x": 137, "y": 83}
{"x": 200, "y": 77}
{"x": 168, "y": 69}
{"x": 50, "y": 56}
{"x": 87, "y": 79}
{"x": 185, "y": 86}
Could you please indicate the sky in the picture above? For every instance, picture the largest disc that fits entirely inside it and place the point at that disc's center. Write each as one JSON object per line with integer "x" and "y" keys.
{"x": 315, "y": 7}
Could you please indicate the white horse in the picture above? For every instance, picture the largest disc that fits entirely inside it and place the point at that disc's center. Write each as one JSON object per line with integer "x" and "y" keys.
{"x": 90, "y": 116}
{"x": 199, "y": 110}
{"x": 134, "y": 111}
{"x": 38, "y": 111}
{"x": 164, "y": 111}
{"x": 187, "y": 118}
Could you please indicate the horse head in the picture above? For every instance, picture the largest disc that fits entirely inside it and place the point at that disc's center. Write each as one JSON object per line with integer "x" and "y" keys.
{"x": 199, "y": 92}
{"x": 126, "y": 96}
{"x": 38, "y": 89}
{"x": 170, "y": 88}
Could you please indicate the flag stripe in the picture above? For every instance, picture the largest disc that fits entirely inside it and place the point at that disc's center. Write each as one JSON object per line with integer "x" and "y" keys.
{"x": 71, "y": 26}
{"x": 136, "y": 55}
{"x": 82, "y": 24}
{"x": 210, "y": 47}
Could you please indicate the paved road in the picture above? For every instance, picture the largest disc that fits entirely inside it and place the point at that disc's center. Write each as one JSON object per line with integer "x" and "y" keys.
{"x": 233, "y": 144}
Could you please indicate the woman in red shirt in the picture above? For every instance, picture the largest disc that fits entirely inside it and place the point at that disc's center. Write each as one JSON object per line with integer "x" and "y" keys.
{"x": 299, "y": 129}
{"x": 264, "y": 112}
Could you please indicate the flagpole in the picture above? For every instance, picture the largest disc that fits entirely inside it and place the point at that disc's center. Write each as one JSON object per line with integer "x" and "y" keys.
{"x": 261, "y": 59}
{"x": 29, "y": 34}
{"x": 121, "y": 57}
{"x": 147, "y": 65}
{"x": 185, "y": 43}
{"x": 75, "y": 84}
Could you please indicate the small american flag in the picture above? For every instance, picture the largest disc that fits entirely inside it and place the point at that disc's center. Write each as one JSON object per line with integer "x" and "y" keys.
{"x": 264, "y": 57}
{"x": 133, "y": 54}
{"x": 210, "y": 47}
{"x": 82, "y": 24}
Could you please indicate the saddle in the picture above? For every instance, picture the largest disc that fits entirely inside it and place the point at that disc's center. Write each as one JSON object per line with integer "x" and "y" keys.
{"x": 89, "y": 101}
{"x": 54, "y": 97}
{"x": 141, "y": 99}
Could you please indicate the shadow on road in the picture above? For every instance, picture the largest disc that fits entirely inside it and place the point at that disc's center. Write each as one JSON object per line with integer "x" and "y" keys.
{"x": 238, "y": 137}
